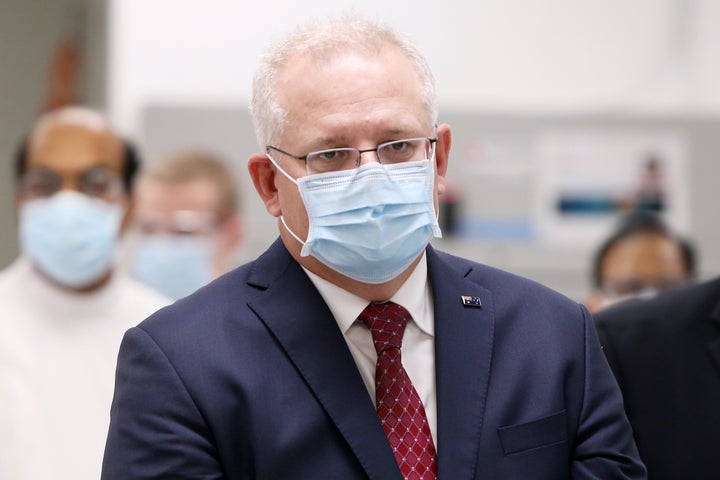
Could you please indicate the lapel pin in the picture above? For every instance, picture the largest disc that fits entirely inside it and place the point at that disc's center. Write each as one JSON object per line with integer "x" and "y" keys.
{"x": 470, "y": 301}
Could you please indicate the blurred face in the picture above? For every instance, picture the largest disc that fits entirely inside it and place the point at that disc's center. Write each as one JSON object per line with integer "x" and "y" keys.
{"x": 184, "y": 237}
{"x": 190, "y": 210}
{"x": 69, "y": 156}
{"x": 641, "y": 263}
{"x": 157, "y": 205}
{"x": 71, "y": 202}
{"x": 349, "y": 101}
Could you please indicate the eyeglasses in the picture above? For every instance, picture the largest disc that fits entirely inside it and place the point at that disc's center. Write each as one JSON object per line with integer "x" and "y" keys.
{"x": 336, "y": 159}
{"x": 98, "y": 182}
{"x": 633, "y": 286}
{"x": 177, "y": 223}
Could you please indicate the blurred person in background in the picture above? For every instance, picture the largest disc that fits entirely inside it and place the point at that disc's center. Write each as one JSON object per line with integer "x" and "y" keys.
{"x": 187, "y": 222}
{"x": 665, "y": 353}
{"x": 640, "y": 258}
{"x": 64, "y": 306}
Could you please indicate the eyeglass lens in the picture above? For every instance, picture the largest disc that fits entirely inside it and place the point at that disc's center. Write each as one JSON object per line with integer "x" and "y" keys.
{"x": 178, "y": 222}
{"x": 398, "y": 151}
{"x": 96, "y": 182}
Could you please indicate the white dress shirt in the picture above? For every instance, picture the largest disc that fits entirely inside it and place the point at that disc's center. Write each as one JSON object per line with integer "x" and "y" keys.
{"x": 418, "y": 346}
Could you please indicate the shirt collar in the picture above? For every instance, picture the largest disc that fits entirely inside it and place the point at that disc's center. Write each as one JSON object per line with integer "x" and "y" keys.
{"x": 414, "y": 295}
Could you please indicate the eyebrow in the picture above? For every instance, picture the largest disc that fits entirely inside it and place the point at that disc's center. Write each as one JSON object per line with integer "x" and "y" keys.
{"x": 342, "y": 141}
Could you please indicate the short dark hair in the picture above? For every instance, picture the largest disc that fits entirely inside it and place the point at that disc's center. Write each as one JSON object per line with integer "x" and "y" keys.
{"x": 130, "y": 162}
{"x": 641, "y": 222}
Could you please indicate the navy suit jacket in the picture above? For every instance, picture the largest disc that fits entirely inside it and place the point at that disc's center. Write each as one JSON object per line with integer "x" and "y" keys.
{"x": 665, "y": 353}
{"x": 251, "y": 378}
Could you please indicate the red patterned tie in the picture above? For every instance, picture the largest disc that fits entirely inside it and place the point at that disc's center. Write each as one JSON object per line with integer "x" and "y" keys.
{"x": 398, "y": 404}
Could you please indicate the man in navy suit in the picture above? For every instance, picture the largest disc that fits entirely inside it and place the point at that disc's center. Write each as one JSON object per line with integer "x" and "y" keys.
{"x": 290, "y": 367}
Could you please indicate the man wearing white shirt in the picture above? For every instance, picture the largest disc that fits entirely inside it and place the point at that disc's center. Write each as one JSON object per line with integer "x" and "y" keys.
{"x": 64, "y": 305}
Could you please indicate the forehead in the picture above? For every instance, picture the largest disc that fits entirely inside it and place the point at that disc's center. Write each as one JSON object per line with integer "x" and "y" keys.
{"x": 351, "y": 92}
{"x": 70, "y": 148}
{"x": 155, "y": 198}
{"x": 644, "y": 254}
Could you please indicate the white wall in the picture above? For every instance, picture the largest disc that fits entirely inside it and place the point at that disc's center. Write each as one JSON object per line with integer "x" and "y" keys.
{"x": 178, "y": 69}
{"x": 29, "y": 34}
{"x": 547, "y": 56}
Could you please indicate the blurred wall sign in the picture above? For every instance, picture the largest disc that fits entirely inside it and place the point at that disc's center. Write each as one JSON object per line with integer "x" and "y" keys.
{"x": 586, "y": 178}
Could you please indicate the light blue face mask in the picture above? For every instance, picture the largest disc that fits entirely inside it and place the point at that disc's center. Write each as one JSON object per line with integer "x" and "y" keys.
{"x": 369, "y": 223}
{"x": 70, "y": 237}
{"x": 174, "y": 266}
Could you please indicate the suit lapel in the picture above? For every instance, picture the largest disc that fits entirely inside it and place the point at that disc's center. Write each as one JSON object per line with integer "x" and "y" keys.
{"x": 463, "y": 352}
{"x": 294, "y": 311}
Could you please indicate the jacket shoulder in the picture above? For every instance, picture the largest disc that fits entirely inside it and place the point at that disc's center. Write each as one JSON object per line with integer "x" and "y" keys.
{"x": 204, "y": 309}
{"x": 504, "y": 284}
{"x": 668, "y": 310}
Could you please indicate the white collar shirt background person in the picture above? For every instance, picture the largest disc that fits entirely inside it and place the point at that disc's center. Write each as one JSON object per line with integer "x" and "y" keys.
{"x": 58, "y": 351}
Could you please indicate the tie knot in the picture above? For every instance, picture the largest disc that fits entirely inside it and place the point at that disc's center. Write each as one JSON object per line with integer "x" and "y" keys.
{"x": 386, "y": 322}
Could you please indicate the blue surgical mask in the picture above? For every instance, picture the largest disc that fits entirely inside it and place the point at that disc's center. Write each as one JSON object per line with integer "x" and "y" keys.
{"x": 174, "y": 266}
{"x": 70, "y": 237}
{"x": 372, "y": 222}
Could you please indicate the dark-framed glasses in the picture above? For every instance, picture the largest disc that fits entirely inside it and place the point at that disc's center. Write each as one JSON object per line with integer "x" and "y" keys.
{"x": 99, "y": 182}
{"x": 348, "y": 158}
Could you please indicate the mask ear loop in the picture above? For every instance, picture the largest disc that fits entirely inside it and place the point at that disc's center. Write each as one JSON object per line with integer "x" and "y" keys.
{"x": 282, "y": 217}
{"x": 433, "y": 165}
{"x": 277, "y": 165}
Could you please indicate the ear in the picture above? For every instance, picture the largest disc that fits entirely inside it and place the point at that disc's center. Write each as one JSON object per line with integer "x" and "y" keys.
{"x": 442, "y": 154}
{"x": 129, "y": 204}
{"x": 18, "y": 206}
{"x": 262, "y": 173}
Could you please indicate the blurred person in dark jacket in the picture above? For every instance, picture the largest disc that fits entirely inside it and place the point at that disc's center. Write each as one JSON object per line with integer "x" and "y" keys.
{"x": 665, "y": 353}
{"x": 640, "y": 258}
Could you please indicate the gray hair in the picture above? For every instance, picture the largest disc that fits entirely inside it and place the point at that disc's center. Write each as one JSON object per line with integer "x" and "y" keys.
{"x": 323, "y": 41}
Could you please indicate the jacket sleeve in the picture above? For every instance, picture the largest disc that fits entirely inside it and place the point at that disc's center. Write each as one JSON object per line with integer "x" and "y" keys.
{"x": 156, "y": 430}
{"x": 605, "y": 448}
